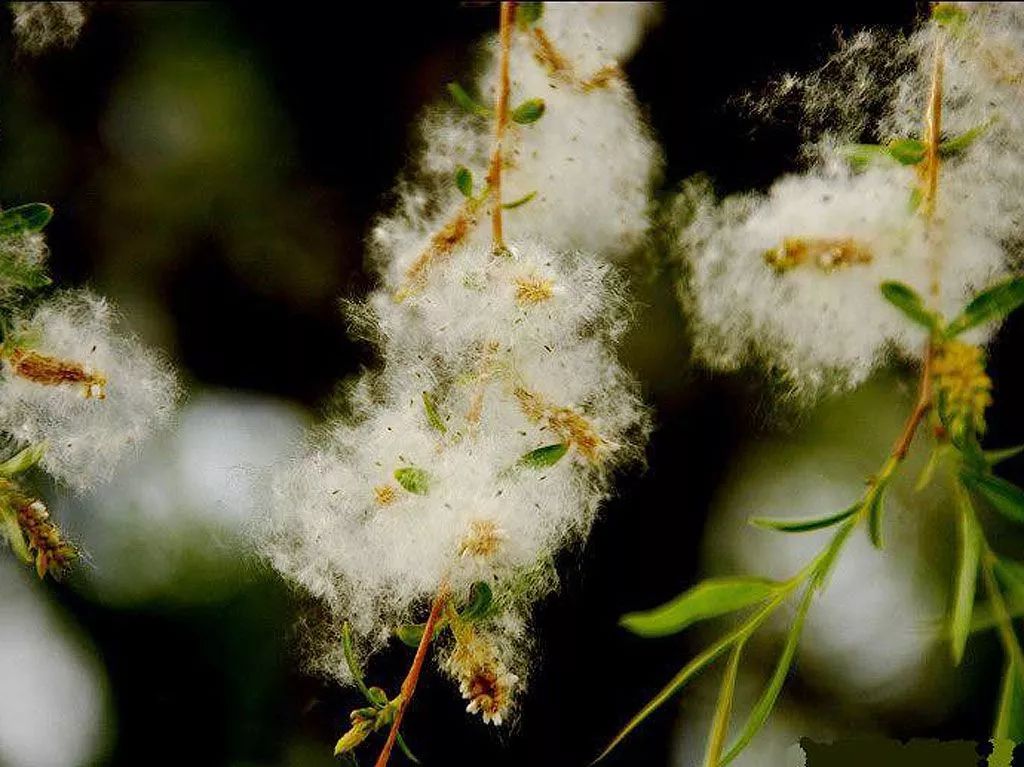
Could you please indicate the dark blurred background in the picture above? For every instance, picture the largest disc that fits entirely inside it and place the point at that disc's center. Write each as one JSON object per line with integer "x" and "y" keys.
{"x": 215, "y": 169}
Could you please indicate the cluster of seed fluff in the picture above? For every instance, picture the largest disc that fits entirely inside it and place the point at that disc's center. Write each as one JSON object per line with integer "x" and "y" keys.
{"x": 73, "y": 379}
{"x": 589, "y": 162}
{"x": 791, "y": 277}
{"x": 39, "y": 25}
{"x": 487, "y": 440}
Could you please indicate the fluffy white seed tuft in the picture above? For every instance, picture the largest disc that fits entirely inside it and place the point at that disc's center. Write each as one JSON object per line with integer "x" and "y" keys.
{"x": 791, "y": 278}
{"x": 42, "y": 25}
{"x": 113, "y": 395}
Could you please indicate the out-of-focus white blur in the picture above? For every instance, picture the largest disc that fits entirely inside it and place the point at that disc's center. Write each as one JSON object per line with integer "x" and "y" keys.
{"x": 170, "y": 525}
{"x": 872, "y": 642}
{"x": 54, "y": 707}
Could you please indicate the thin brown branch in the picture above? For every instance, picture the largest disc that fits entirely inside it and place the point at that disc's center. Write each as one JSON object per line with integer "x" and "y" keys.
{"x": 409, "y": 685}
{"x": 921, "y": 408}
{"x": 500, "y": 123}
{"x": 932, "y": 140}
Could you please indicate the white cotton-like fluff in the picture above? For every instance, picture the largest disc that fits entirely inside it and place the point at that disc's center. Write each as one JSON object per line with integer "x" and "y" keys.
{"x": 823, "y": 330}
{"x": 824, "y": 326}
{"x": 589, "y": 161}
{"x": 487, "y": 440}
{"x": 484, "y": 359}
{"x": 24, "y": 258}
{"x": 86, "y": 436}
{"x": 42, "y": 25}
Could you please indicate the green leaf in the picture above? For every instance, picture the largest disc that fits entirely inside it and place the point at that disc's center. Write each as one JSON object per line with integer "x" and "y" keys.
{"x": 1011, "y": 573}
{"x": 1005, "y": 497}
{"x": 377, "y": 697}
{"x": 875, "y": 508}
{"x": 677, "y": 682}
{"x": 528, "y": 14}
{"x": 991, "y": 304}
{"x": 528, "y": 112}
{"x": 806, "y": 525}
{"x": 433, "y": 417}
{"x": 481, "y": 603}
{"x": 413, "y": 479}
{"x": 467, "y": 102}
{"x": 521, "y": 201}
{"x": 353, "y": 664}
{"x": 1010, "y": 714}
{"x": 464, "y": 180}
{"x": 543, "y": 457}
{"x": 953, "y": 146}
{"x": 405, "y": 749}
{"x": 906, "y": 299}
{"x": 11, "y": 530}
{"x": 23, "y": 274}
{"x": 25, "y": 218}
{"x": 994, "y": 457}
{"x": 948, "y": 14}
{"x": 862, "y": 155}
{"x": 23, "y": 460}
{"x": 708, "y": 599}
{"x": 412, "y": 633}
{"x": 906, "y": 151}
{"x": 723, "y": 709}
{"x": 766, "y": 703}
{"x": 966, "y": 578}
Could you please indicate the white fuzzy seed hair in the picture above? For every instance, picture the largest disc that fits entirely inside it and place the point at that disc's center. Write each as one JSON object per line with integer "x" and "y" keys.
{"x": 791, "y": 278}
{"x": 430, "y": 476}
{"x": 90, "y": 426}
{"x": 39, "y": 26}
{"x": 589, "y": 162}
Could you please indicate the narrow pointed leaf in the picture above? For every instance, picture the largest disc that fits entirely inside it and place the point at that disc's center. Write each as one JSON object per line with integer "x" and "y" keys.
{"x": 413, "y": 479}
{"x": 464, "y": 180}
{"x": 405, "y": 749}
{"x": 966, "y": 579}
{"x": 709, "y": 599}
{"x": 353, "y": 664}
{"x": 904, "y": 298}
{"x": 990, "y": 305}
{"x": 1010, "y": 573}
{"x": 766, "y": 703}
{"x": 994, "y": 457}
{"x": 1010, "y": 714}
{"x": 467, "y": 102}
{"x": 520, "y": 201}
{"x": 25, "y": 218}
{"x": 688, "y": 672}
{"x": 23, "y": 460}
{"x": 543, "y": 457}
{"x": 876, "y": 509}
{"x": 805, "y": 525}
{"x": 954, "y": 146}
{"x": 528, "y": 112}
{"x": 723, "y": 709}
{"x": 433, "y": 417}
{"x": 1005, "y": 497}
{"x": 11, "y": 530}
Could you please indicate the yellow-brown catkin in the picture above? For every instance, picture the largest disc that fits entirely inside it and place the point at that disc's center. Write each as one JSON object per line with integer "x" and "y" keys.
{"x": 484, "y": 539}
{"x": 533, "y": 290}
{"x": 570, "y": 426}
{"x": 961, "y": 384}
{"x": 385, "y": 495}
{"x": 53, "y": 371}
{"x": 53, "y": 554}
{"x": 827, "y": 253}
